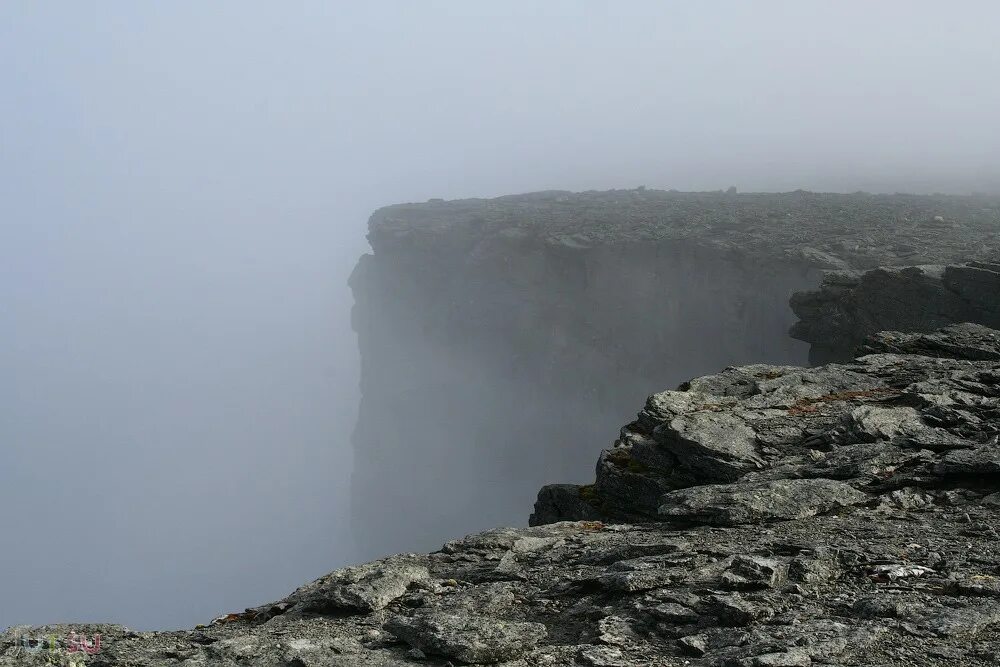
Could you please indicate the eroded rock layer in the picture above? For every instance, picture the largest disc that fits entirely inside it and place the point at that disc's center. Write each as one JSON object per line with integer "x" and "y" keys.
{"x": 849, "y": 306}
{"x": 501, "y": 339}
{"x": 782, "y": 517}
{"x": 762, "y": 443}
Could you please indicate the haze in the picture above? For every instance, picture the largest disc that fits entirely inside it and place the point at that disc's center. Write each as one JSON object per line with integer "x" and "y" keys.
{"x": 184, "y": 189}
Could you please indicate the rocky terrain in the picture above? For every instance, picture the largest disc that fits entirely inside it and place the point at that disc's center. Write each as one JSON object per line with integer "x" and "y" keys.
{"x": 848, "y": 306}
{"x": 501, "y": 338}
{"x": 859, "y": 230}
{"x": 767, "y": 515}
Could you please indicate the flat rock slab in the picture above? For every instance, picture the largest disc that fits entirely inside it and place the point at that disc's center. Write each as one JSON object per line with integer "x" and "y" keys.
{"x": 367, "y": 587}
{"x": 715, "y": 446}
{"x": 469, "y": 639}
{"x": 780, "y": 500}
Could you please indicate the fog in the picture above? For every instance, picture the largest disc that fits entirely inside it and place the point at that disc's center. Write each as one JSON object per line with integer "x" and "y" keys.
{"x": 184, "y": 188}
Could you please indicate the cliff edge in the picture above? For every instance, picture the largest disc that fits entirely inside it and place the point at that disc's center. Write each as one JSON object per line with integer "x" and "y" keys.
{"x": 778, "y": 516}
{"x": 501, "y": 338}
{"x": 850, "y": 306}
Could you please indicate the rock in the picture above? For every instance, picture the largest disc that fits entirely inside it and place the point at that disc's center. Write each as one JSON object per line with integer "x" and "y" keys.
{"x": 960, "y": 341}
{"x": 795, "y": 657}
{"x": 712, "y": 446}
{"x": 641, "y": 580}
{"x": 961, "y": 622}
{"x": 674, "y": 613}
{"x": 755, "y": 572}
{"x": 736, "y": 504}
{"x": 615, "y": 630}
{"x": 468, "y": 639}
{"x": 916, "y": 300}
{"x": 368, "y": 587}
{"x": 978, "y": 461}
{"x": 601, "y": 656}
{"x": 736, "y": 611}
{"x": 877, "y": 607}
{"x": 561, "y": 502}
{"x": 979, "y": 585}
{"x": 893, "y": 563}
{"x": 814, "y": 570}
{"x": 696, "y": 645}
{"x": 505, "y": 337}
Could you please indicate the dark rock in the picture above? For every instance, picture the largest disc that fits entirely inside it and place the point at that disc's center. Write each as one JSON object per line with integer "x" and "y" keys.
{"x": 837, "y": 319}
{"x": 982, "y": 461}
{"x": 818, "y": 569}
{"x": 602, "y": 656}
{"x": 755, "y": 572}
{"x": 780, "y": 500}
{"x": 966, "y": 621}
{"x": 960, "y": 341}
{"x": 794, "y": 657}
{"x": 468, "y": 639}
{"x": 695, "y": 645}
{"x": 736, "y": 611}
{"x": 641, "y": 580}
{"x": 711, "y": 446}
{"x": 562, "y": 502}
{"x": 674, "y": 613}
{"x": 367, "y": 587}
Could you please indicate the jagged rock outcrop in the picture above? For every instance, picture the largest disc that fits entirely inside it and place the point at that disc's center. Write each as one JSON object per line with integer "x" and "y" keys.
{"x": 849, "y": 306}
{"x": 501, "y": 338}
{"x": 763, "y": 443}
{"x": 850, "y": 520}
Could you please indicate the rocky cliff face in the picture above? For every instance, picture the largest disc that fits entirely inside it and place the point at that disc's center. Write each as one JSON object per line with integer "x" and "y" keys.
{"x": 500, "y": 339}
{"x": 850, "y": 306}
{"x": 762, "y": 443}
{"x": 780, "y": 517}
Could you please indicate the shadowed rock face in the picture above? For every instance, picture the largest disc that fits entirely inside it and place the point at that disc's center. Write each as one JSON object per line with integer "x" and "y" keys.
{"x": 502, "y": 373}
{"x": 501, "y": 339}
{"x": 860, "y": 531}
{"x": 850, "y": 306}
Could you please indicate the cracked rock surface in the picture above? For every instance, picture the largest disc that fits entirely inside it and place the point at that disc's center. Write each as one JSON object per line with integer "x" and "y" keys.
{"x": 850, "y": 520}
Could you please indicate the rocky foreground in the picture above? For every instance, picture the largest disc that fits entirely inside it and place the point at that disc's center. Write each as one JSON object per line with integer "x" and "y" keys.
{"x": 779, "y": 516}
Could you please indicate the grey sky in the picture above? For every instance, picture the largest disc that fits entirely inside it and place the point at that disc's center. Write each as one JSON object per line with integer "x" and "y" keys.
{"x": 184, "y": 187}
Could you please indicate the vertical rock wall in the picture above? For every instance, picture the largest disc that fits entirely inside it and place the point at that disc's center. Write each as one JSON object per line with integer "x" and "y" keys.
{"x": 503, "y": 340}
{"x": 849, "y": 306}
{"x": 488, "y": 372}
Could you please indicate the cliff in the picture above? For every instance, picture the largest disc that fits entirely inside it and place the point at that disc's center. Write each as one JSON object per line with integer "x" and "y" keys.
{"x": 782, "y": 517}
{"x": 847, "y": 307}
{"x": 501, "y": 338}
